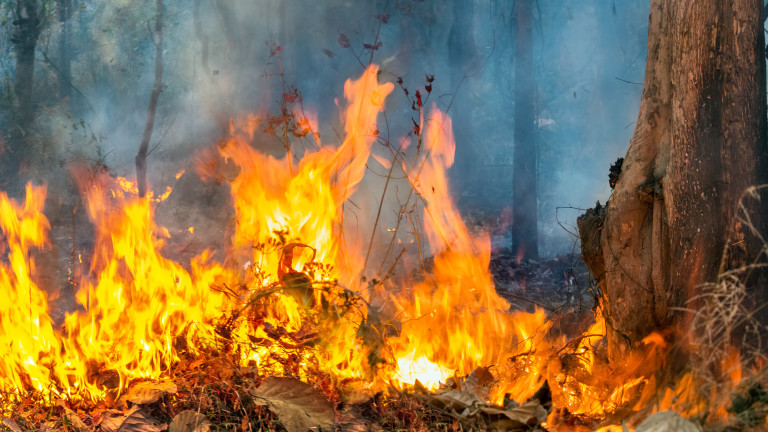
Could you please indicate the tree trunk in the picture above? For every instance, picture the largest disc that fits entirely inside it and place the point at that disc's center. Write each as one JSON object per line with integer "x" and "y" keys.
{"x": 65, "y": 59}
{"x": 700, "y": 141}
{"x": 141, "y": 156}
{"x": 464, "y": 60}
{"x": 524, "y": 173}
{"x": 28, "y": 25}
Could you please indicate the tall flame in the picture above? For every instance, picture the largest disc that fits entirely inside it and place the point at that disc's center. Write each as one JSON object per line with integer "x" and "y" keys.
{"x": 30, "y": 346}
{"x": 138, "y": 308}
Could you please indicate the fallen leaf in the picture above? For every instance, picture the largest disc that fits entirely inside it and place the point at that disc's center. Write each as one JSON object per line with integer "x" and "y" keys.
{"x": 147, "y": 392}
{"x": 529, "y": 413}
{"x": 466, "y": 405}
{"x": 10, "y": 424}
{"x": 667, "y": 421}
{"x": 134, "y": 420}
{"x": 298, "y": 406}
{"x": 189, "y": 421}
{"x": 74, "y": 420}
{"x": 457, "y": 400}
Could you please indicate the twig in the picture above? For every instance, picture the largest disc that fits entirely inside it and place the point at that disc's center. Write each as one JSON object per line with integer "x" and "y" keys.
{"x": 628, "y": 82}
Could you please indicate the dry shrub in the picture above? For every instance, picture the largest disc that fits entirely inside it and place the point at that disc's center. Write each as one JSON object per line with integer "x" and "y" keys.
{"x": 728, "y": 324}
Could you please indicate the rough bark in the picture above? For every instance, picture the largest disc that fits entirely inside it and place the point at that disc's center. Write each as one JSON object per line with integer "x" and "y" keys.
{"x": 141, "y": 156}
{"x": 524, "y": 173}
{"x": 700, "y": 141}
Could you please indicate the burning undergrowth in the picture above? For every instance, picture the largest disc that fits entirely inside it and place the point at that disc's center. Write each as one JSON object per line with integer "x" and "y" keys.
{"x": 287, "y": 321}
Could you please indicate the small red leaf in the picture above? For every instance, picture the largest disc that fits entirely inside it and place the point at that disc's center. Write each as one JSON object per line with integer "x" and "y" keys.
{"x": 290, "y": 97}
{"x": 274, "y": 50}
{"x": 383, "y": 18}
{"x": 344, "y": 41}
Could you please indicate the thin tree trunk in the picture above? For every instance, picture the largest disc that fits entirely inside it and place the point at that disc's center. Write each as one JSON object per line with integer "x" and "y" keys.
{"x": 28, "y": 26}
{"x": 65, "y": 59}
{"x": 524, "y": 173}
{"x": 700, "y": 141}
{"x": 141, "y": 156}
{"x": 463, "y": 58}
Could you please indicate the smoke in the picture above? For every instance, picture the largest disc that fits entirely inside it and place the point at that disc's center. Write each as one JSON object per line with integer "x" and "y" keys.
{"x": 224, "y": 59}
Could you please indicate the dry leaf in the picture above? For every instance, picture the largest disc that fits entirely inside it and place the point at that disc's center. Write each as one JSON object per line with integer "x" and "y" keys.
{"x": 667, "y": 421}
{"x": 49, "y": 426}
{"x": 483, "y": 376}
{"x": 453, "y": 400}
{"x": 147, "y": 392}
{"x": 10, "y": 424}
{"x": 74, "y": 420}
{"x": 298, "y": 406}
{"x": 465, "y": 405}
{"x": 529, "y": 413}
{"x": 134, "y": 420}
{"x": 189, "y": 421}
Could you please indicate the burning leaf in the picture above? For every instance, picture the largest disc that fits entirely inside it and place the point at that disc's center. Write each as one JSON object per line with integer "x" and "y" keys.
{"x": 147, "y": 392}
{"x": 297, "y": 405}
{"x": 135, "y": 420}
{"x": 10, "y": 424}
{"x": 190, "y": 421}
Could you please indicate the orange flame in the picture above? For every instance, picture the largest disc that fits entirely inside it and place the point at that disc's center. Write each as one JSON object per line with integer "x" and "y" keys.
{"x": 138, "y": 307}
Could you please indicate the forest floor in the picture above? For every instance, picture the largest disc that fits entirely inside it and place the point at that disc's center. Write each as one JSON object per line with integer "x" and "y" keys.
{"x": 213, "y": 393}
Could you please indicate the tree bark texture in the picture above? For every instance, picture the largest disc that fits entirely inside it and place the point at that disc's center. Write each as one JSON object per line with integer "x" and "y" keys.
{"x": 141, "y": 156}
{"x": 699, "y": 143}
{"x": 524, "y": 173}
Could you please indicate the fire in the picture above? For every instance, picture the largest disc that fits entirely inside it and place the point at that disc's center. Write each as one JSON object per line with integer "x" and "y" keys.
{"x": 136, "y": 302}
{"x": 293, "y": 272}
{"x": 30, "y": 344}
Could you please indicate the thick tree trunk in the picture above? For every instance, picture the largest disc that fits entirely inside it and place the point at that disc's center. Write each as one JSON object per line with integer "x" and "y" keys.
{"x": 700, "y": 141}
{"x": 524, "y": 173}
